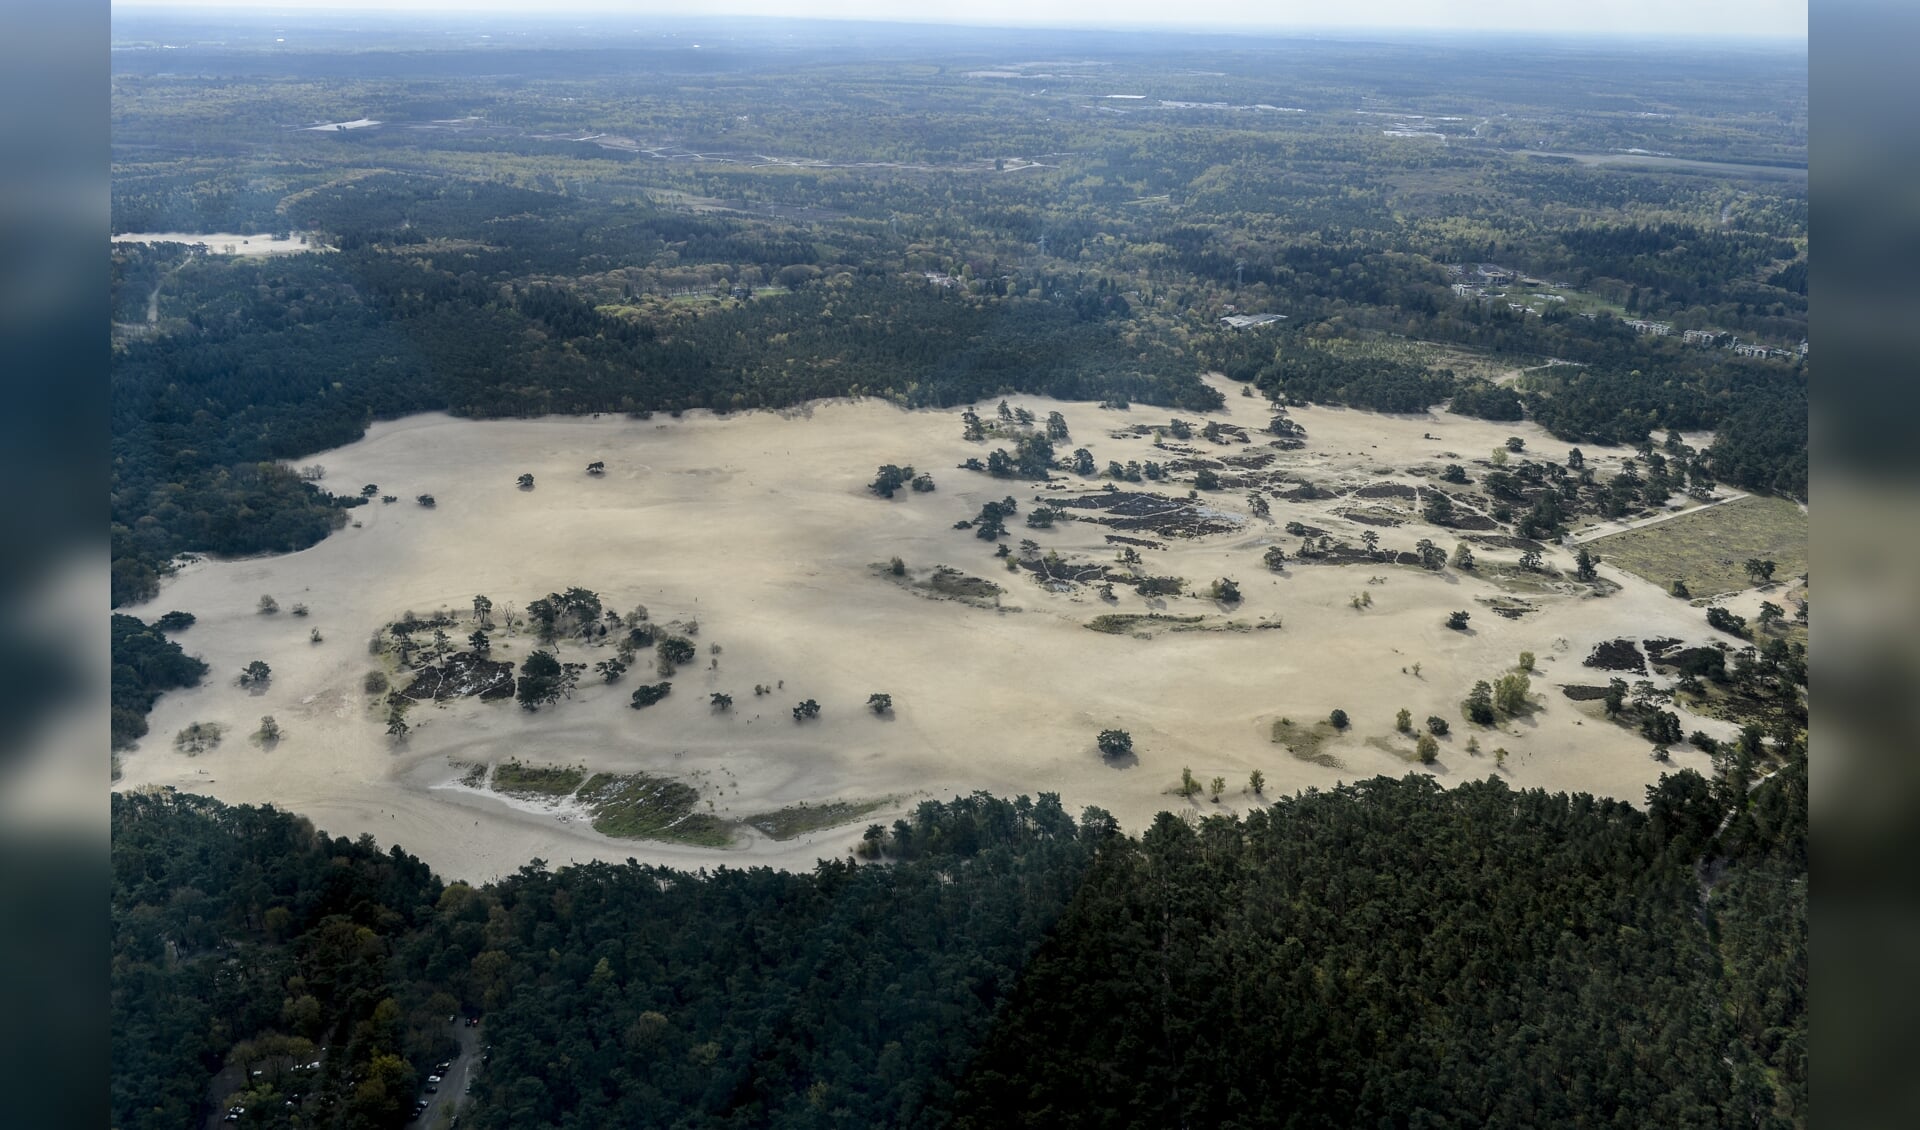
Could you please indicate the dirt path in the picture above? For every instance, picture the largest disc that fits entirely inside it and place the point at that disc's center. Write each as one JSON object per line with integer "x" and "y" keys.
{"x": 1606, "y": 529}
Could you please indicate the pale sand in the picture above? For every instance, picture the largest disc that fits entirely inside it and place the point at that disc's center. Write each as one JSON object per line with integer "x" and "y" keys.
{"x": 760, "y": 526}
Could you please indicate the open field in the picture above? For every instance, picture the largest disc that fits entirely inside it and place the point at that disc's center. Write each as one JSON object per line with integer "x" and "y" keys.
{"x": 229, "y": 243}
{"x": 759, "y": 528}
{"x": 1708, "y": 547}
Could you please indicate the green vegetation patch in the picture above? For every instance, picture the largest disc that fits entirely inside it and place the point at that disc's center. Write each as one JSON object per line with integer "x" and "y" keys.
{"x": 1708, "y": 548}
{"x": 637, "y": 806}
{"x": 516, "y": 778}
{"x": 799, "y": 819}
{"x": 1304, "y": 742}
{"x": 1125, "y": 623}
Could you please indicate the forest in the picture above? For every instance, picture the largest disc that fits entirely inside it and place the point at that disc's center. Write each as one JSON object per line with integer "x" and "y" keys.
{"x": 1387, "y": 952}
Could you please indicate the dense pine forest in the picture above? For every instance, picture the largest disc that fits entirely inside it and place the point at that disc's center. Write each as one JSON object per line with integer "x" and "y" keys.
{"x": 1386, "y": 953}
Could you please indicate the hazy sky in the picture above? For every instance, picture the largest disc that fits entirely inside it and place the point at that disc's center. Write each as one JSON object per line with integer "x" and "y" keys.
{"x": 1769, "y": 18}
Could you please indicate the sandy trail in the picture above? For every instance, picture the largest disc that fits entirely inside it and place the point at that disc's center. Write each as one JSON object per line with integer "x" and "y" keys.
{"x": 759, "y": 526}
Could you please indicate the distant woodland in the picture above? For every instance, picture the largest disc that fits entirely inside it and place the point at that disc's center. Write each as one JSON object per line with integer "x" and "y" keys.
{"x": 924, "y": 234}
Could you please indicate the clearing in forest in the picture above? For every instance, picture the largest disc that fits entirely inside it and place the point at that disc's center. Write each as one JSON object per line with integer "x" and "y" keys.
{"x": 1708, "y": 549}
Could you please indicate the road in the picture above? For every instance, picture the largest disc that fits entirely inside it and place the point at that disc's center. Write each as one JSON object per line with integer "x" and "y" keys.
{"x": 1604, "y": 529}
{"x": 452, "y": 1096}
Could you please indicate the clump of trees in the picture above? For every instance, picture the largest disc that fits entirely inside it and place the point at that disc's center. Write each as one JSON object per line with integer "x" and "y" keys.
{"x": 544, "y": 680}
{"x": 256, "y": 674}
{"x": 647, "y": 694}
{"x": 805, "y": 710}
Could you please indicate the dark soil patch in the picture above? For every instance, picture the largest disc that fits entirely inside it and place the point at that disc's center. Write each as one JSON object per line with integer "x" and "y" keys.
{"x": 1505, "y": 541}
{"x": 1080, "y": 572}
{"x": 1658, "y": 648}
{"x": 1468, "y": 520}
{"x": 463, "y": 675}
{"x": 1144, "y": 543}
{"x": 1617, "y": 655}
{"x": 1386, "y": 490}
{"x": 953, "y": 583}
{"x": 1579, "y": 693}
{"x": 1153, "y": 513}
{"x": 1306, "y": 492}
{"x": 1372, "y": 519}
{"x": 1347, "y": 555}
{"x": 1251, "y": 461}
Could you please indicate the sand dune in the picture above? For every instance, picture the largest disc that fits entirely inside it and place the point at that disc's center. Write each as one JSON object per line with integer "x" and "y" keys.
{"x": 759, "y": 526}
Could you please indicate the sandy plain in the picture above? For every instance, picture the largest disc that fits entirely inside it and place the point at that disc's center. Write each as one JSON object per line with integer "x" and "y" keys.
{"x": 759, "y": 525}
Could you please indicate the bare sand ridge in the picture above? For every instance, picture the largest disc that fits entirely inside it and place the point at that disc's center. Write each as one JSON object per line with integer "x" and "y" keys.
{"x": 760, "y": 527}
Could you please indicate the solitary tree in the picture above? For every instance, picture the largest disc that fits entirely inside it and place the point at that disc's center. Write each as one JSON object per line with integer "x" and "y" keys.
{"x": 1276, "y": 558}
{"x": 1188, "y": 786}
{"x": 1462, "y": 556}
{"x": 1438, "y": 725}
{"x": 1510, "y": 694}
{"x": 397, "y": 724}
{"x": 1427, "y": 749}
{"x": 269, "y": 731}
{"x": 1478, "y": 706}
{"x": 1205, "y": 479}
{"x": 1584, "y": 562}
{"x": 1680, "y": 590}
{"x": 880, "y": 703}
{"x": 268, "y": 606}
{"x": 479, "y": 642}
{"x": 526, "y": 482}
{"x": 721, "y": 701}
{"x": 1759, "y": 571}
{"x": 1458, "y": 620}
{"x": 1338, "y": 718}
{"x": 597, "y": 467}
{"x": 256, "y": 674}
{"x": 425, "y": 500}
{"x": 1115, "y": 743}
{"x": 369, "y": 490}
{"x": 1526, "y": 661}
{"x": 1257, "y": 781}
{"x": 1226, "y": 591}
{"x": 1403, "y": 721}
{"x": 807, "y": 709}
{"x": 1372, "y": 541}
{"x": 1217, "y": 786}
{"x": 1530, "y": 560}
{"x": 483, "y": 610}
